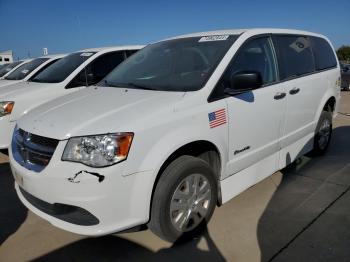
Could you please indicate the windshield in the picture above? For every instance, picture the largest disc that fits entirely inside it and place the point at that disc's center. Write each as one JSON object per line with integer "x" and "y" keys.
{"x": 60, "y": 70}
{"x": 22, "y": 71}
{"x": 7, "y": 68}
{"x": 173, "y": 65}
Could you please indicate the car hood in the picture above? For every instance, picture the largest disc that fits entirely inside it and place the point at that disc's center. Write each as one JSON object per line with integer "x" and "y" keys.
{"x": 99, "y": 110}
{"x": 13, "y": 91}
{"x": 5, "y": 82}
{"x": 28, "y": 95}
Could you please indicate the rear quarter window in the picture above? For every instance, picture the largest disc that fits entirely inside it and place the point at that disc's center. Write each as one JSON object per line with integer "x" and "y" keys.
{"x": 295, "y": 56}
{"x": 323, "y": 52}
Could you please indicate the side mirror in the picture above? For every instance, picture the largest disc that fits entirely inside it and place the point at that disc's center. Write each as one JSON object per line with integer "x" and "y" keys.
{"x": 345, "y": 69}
{"x": 244, "y": 81}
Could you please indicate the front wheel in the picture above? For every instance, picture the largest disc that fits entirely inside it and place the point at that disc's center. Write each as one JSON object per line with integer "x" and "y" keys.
{"x": 184, "y": 199}
{"x": 323, "y": 134}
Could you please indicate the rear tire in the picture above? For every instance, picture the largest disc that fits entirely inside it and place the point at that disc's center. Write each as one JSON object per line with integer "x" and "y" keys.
{"x": 323, "y": 134}
{"x": 184, "y": 199}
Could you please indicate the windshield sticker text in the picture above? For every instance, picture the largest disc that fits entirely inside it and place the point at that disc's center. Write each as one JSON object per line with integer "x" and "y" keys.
{"x": 86, "y": 54}
{"x": 213, "y": 38}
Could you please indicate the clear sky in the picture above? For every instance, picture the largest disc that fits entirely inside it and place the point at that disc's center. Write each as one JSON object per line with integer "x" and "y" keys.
{"x": 65, "y": 26}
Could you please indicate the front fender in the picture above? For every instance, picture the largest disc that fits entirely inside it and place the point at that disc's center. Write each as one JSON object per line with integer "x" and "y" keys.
{"x": 169, "y": 144}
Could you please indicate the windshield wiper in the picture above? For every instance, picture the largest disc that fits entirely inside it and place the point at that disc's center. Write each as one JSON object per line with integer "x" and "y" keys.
{"x": 128, "y": 85}
{"x": 104, "y": 83}
{"x": 140, "y": 86}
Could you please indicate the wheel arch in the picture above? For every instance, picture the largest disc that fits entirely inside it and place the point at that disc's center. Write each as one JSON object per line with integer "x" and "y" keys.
{"x": 203, "y": 149}
{"x": 328, "y": 102}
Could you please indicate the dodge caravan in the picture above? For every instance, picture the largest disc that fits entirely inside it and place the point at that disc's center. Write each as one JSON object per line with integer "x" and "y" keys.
{"x": 25, "y": 71}
{"x": 69, "y": 74}
{"x": 183, "y": 125}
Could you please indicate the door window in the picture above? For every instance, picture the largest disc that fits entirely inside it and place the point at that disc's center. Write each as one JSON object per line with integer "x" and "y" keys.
{"x": 97, "y": 69}
{"x": 256, "y": 55}
{"x": 295, "y": 56}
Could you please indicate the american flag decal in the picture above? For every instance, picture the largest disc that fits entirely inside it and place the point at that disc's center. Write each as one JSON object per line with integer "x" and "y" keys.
{"x": 217, "y": 118}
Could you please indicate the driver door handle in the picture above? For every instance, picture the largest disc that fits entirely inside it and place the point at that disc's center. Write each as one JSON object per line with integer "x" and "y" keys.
{"x": 294, "y": 91}
{"x": 279, "y": 96}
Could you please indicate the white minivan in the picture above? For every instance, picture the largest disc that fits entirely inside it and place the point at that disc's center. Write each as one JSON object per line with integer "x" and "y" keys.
{"x": 183, "y": 125}
{"x": 25, "y": 71}
{"x": 69, "y": 74}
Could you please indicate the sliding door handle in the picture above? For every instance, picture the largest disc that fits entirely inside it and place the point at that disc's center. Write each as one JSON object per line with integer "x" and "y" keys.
{"x": 279, "y": 96}
{"x": 294, "y": 91}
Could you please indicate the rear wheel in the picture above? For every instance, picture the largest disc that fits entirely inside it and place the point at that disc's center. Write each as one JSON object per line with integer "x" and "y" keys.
{"x": 184, "y": 199}
{"x": 323, "y": 134}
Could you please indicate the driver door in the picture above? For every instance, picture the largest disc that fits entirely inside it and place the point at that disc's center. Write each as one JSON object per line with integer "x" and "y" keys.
{"x": 255, "y": 117}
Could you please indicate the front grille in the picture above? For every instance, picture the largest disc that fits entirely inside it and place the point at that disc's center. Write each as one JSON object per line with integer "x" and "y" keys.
{"x": 32, "y": 151}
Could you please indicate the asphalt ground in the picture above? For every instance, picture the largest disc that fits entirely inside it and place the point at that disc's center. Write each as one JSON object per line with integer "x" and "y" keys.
{"x": 301, "y": 213}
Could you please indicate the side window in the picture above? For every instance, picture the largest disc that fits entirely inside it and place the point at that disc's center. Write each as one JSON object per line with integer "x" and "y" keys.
{"x": 255, "y": 55}
{"x": 97, "y": 69}
{"x": 323, "y": 52}
{"x": 7, "y": 59}
{"x": 295, "y": 56}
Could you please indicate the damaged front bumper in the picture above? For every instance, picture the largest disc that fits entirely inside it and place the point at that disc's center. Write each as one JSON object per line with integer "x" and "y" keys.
{"x": 85, "y": 200}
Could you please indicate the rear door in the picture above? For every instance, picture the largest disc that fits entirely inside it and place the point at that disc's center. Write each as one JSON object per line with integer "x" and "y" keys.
{"x": 304, "y": 90}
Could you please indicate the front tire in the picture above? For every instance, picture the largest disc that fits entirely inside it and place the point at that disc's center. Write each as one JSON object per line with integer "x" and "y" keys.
{"x": 184, "y": 199}
{"x": 323, "y": 134}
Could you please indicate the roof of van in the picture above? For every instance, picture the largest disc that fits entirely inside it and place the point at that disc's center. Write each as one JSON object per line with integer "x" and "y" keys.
{"x": 113, "y": 48}
{"x": 53, "y": 56}
{"x": 252, "y": 31}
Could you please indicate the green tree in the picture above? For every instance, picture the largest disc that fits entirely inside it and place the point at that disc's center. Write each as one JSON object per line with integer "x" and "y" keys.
{"x": 343, "y": 53}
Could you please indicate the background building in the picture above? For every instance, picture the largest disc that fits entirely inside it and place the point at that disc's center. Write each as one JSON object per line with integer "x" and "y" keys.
{"x": 6, "y": 57}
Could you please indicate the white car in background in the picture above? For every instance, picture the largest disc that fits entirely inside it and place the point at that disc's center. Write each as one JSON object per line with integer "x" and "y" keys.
{"x": 27, "y": 70}
{"x": 70, "y": 74}
{"x": 182, "y": 126}
{"x": 9, "y": 68}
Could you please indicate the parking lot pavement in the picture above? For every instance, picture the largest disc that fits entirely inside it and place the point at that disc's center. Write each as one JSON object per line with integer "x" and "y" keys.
{"x": 298, "y": 214}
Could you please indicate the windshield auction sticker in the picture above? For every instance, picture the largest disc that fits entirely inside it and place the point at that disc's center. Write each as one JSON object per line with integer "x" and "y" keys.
{"x": 213, "y": 38}
{"x": 86, "y": 54}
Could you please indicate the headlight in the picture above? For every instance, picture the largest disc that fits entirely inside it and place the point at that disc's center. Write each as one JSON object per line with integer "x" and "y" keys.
{"x": 98, "y": 151}
{"x": 6, "y": 108}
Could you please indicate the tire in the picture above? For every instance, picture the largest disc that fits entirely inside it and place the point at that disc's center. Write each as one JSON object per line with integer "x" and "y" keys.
{"x": 166, "y": 219}
{"x": 323, "y": 134}
{"x": 347, "y": 87}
